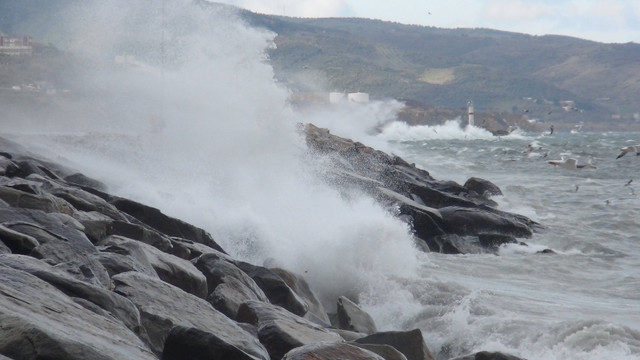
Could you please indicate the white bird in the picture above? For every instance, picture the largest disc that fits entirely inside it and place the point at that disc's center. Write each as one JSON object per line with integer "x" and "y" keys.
{"x": 628, "y": 149}
{"x": 571, "y": 164}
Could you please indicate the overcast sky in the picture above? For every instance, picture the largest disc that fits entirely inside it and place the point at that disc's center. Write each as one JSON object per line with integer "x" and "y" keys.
{"x": 600, "y": 20}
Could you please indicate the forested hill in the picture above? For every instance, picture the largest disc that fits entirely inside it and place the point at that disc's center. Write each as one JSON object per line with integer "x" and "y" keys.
{"x": 554, "y": 79}
{"x": 500, "y": 71}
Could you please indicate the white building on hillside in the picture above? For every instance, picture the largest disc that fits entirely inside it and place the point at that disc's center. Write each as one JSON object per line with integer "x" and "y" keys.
{"x": 358, "y": 97}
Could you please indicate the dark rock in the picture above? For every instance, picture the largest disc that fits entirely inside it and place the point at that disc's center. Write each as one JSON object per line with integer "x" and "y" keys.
{"x": 163, "y": 223}
{"x": 175, "y": 271}
{"x": 16, "y": 241}
{"x": 438, "y": 194}
{"x": 412, "y": 193}
{"x": 494, "y": 241}
{"x": 81, "y": 179}
{"x": 331, "y": 351}
{"x": 55, "y": 327}
{"x": 279, "y": 330}
{"x": 546, "y": 251}
{"x": 80, "y": 265}
{"x": 474, "y": 221}
{"x": 22, "y": 199}
{"x": 180, "y": 249}
{"x": 276, "y": 289}
{"x": 117, "y": 263}
{"x": 81, "y": 199}
{"x": 7, "y": 167}
{"x": 30, "y": 166}
{"x": 410, "y": 343}
{"x": 386, "y": 351}
{"x": 219, "y": 268}
{"x": 141, "y": 233}
{"x": 482, "y": 186}
{"x": 316, "y": 312}
{"x": 163, "y": 306}
{"x": 347, "y": 335}
{"x": 44, "y": 228}
{"x": 95, "y": 224}
{"x": 190, "y": 249}
{"x": 485, "y": 355}
{"x": 230, "y": 295}
{"x": 59, "y": 242}
{"x": 115, "y": 305}
{"x": 352, "y": 317}
{"x": 4, "y": 249}
{"x": 192, "y": 343}
{"x": 231, "y": 286}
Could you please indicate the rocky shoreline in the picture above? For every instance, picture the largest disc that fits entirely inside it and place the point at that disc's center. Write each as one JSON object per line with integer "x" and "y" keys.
{"x": 85, "y": 274}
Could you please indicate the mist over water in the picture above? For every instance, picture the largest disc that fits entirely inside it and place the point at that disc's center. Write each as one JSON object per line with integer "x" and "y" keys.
{"x": 577, "y": 304}
{"x": 206, "y": 135}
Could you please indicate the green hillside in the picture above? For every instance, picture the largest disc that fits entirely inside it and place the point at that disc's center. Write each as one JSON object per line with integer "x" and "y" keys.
{"x": 500, "y": 71}
{"x": 553, "y": 79}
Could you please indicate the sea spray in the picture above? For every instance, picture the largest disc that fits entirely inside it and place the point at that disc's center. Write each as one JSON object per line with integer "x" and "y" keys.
{"x": 207, "y": 136}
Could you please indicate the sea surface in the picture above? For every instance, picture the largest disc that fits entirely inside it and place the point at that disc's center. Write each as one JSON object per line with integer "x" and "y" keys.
{"x": 580, "y": 302}
{"x": 583, "y": 302}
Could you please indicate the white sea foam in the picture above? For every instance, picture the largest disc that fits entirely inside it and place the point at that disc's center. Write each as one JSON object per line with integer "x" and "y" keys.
{"x": 211, "y": 139}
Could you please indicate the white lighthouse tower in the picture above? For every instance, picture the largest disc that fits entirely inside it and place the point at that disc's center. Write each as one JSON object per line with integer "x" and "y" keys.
{"x": 470, "y": 106}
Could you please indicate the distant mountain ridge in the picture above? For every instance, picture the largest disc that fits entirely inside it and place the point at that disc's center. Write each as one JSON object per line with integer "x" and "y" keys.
{"x": 553, "y": 79}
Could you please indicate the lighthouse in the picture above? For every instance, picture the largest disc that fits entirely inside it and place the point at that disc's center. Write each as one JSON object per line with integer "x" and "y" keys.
{"x": 470, "y": 106}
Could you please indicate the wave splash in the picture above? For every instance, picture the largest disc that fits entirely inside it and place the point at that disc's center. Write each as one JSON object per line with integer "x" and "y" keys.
{"x": 210, "y": 138}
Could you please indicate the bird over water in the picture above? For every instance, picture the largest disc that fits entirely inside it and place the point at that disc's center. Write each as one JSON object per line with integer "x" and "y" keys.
{"x": 628, "y": 149}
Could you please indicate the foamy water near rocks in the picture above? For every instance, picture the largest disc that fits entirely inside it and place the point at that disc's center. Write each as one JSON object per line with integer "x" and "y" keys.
{"x": 85, "y": 274}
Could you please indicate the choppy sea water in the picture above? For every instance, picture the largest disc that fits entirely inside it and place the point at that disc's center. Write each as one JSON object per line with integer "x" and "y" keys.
{"x": 583, "y": 302}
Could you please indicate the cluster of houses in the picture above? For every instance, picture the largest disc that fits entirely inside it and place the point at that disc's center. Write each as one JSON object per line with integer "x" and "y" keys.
{"x": 15, "y": 45}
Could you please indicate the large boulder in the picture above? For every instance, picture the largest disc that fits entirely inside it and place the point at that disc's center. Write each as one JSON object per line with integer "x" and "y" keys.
{"x": 141, "y": 233}
{"x": 486, "y": 355}
{"x": 229, "y": 286}
{"x": 316, "y": 312}
{"x": 352, "y": 317}
{"x": 173, "y": 270}
{"x": 39, "y": 321}
{"x": 386, "y": 351}
{"x": 482, "y": 187}
{"x": 27, "y": 197}
{"x": 230, "y": 295}
{"x": 53, "y": 237}
{"x": 193, "y": 343}
{"x": 433, "y": 208}
{"x": 280, "y": 330}
{"x": 276, "y": 289}
{"x": 474, "y": 221}
{"x": 163, "y": 306}
{"x": 331, "y": 351}
{"x": 163, "y": 223}
{"x": 410, "y": 343}
{"x": 115, "y": 305}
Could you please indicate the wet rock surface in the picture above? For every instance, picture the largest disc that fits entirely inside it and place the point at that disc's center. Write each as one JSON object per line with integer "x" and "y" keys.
{"x": 85, "y": 274}
{"x": 435, "y": 209}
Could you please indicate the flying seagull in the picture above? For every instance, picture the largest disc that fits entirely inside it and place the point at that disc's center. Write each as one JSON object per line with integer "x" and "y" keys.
{"x": 628, "y": 149}
{"x": 571, "y": 164}
{"x": 629, "y": 182}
